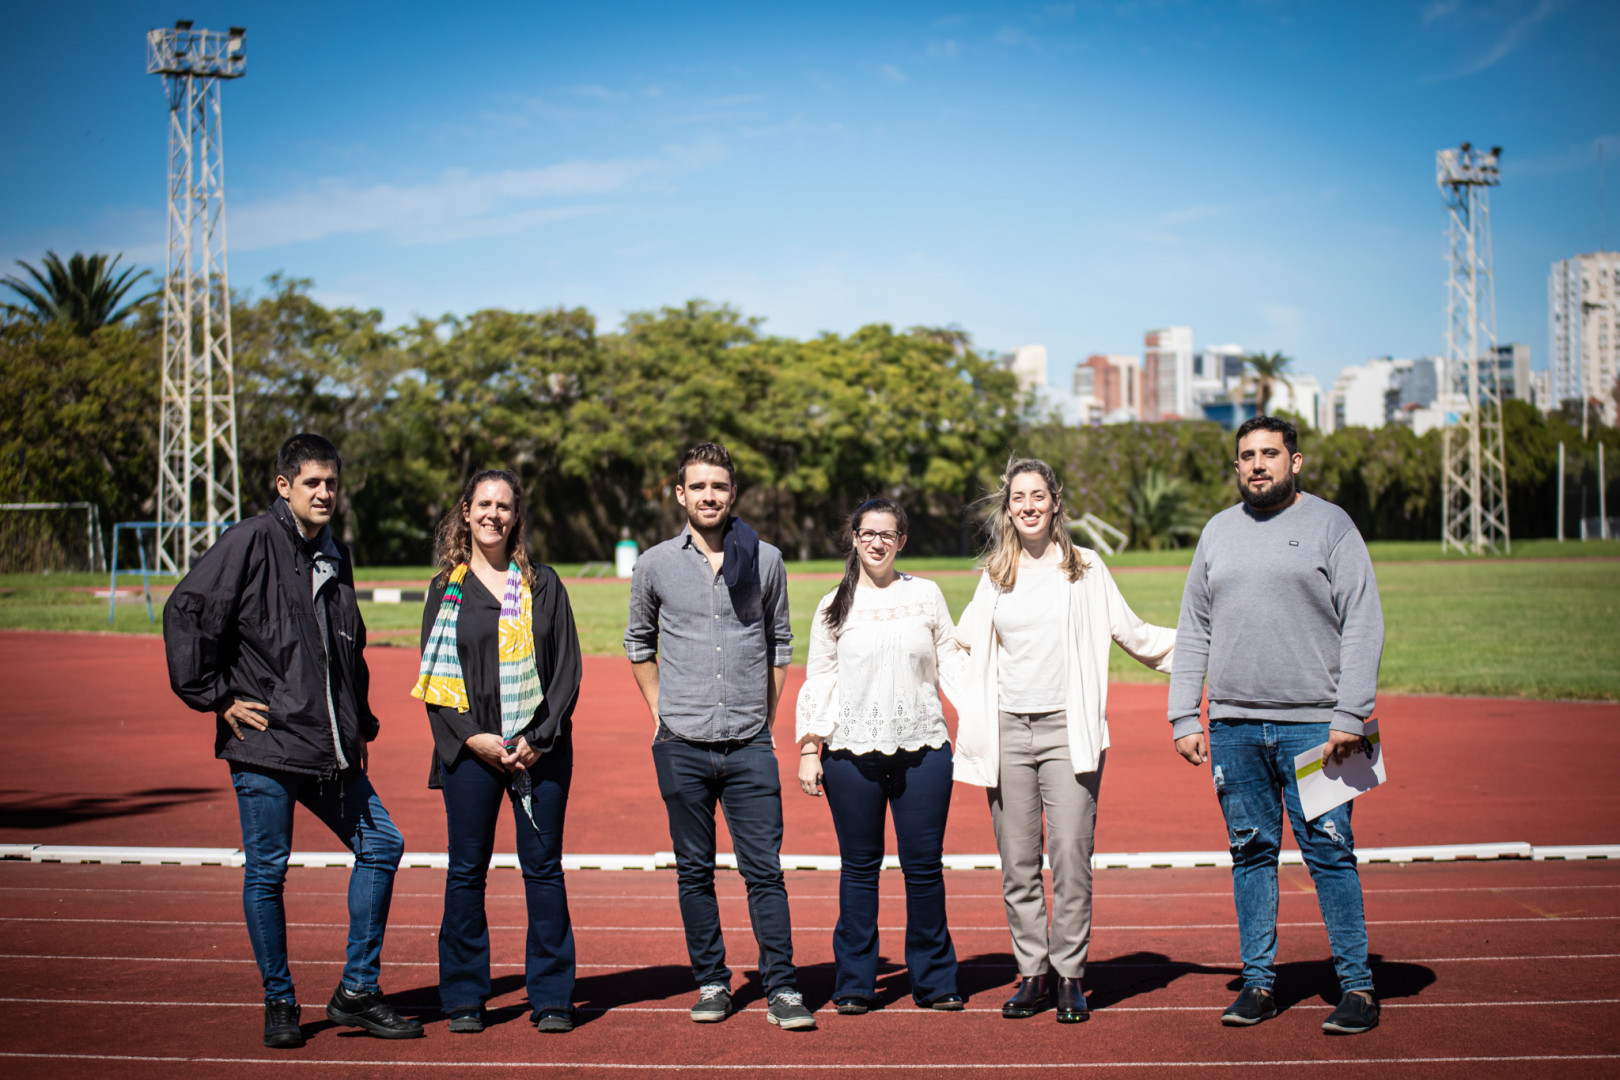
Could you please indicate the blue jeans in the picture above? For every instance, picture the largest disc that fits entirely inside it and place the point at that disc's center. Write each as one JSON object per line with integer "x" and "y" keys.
{"x": 473, "y": 794}
{"x": 350, "y": 808}
{"x": 1253, "y": 763}
{"x": 915, "y": 786}
{"x": 742, "y": 777}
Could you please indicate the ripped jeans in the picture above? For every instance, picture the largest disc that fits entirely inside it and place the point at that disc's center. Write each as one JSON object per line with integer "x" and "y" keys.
{"x": 1253, "y": 764}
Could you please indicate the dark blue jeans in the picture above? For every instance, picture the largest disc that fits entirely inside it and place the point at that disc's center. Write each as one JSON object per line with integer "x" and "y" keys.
{"x": 915, "y": 785}
{"x": 742, "y": 777}
{"x": 473, "y": 793}
{"x": 1253, "y": 762}
{"x": 350, "y": 808}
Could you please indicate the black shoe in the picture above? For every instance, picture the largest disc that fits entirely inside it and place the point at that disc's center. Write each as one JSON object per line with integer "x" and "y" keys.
{"x": 944, "y": 1003}
{"x": 1071, "y": 1002}
{"x": 852, "y": 1006}
{"x": 787, "y": 1011}
{"x": 554, "y": 1021}
{"x": 370, "y": 1010}
{"x": 467, "y": 1021}
{"x": 1357, "y": 1012}
{"x": 1252, "y": 1006}
{"x": 281, "y": 1030}
{"x": 1033, "y": 995}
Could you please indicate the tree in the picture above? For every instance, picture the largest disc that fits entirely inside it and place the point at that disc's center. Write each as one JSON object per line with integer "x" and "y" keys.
{"x": 1265, "y": 371}
{"x": 83, "y": 295}
{"x": 1161, "y": 511}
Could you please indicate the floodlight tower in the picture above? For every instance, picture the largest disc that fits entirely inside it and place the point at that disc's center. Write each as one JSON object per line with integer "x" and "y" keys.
{"x": 1474, "y": 514}
{"x": 197, "y": 486}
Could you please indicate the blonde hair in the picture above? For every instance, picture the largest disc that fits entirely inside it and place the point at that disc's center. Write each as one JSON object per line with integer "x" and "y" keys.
{"x": 1000, "y": 556}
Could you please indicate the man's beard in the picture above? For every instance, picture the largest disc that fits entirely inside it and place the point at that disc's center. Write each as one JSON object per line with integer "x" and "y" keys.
{"x": 1279, "y": 493}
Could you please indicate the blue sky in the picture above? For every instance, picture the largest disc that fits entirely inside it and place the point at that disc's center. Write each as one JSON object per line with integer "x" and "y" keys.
{"x": 1064, "y": 173}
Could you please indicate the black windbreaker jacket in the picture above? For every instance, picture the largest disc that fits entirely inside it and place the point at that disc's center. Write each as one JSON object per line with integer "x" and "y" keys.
{"x": 242, "y": 624}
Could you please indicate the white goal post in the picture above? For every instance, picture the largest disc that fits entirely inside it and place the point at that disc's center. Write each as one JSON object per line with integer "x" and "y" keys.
{"x": 95, "y": 550}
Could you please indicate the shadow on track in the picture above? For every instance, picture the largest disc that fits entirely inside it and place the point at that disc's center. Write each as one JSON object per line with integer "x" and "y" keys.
{"x": 51, "y": 812}
{"x": 1300, "y": 982}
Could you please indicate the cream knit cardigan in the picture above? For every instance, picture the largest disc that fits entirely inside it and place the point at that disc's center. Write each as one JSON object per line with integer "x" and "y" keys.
{"x": 1097, "y": 614}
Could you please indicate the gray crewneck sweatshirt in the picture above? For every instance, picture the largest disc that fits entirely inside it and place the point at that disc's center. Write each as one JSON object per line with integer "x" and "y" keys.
{"x": 1282, "y": 611}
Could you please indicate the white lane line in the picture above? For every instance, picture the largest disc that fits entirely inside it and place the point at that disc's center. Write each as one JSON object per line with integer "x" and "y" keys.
{"x": 998, "y": 928}
{"x": 828, "y": 1011}
{"x": 789, "y": 1066}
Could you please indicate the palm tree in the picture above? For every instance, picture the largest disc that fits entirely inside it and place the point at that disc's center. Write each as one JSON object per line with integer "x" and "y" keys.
{"x": 1265, "y": 371}
{"x": 84, "y": 294}
{"x": 1160, "y": 509}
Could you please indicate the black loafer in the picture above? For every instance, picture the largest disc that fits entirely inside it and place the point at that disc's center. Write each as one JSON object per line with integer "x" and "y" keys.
{"x": 1356, "y": 1013}
{"x": 555, "y": 1021}
{"x": 1071, "y": 1002}
{"x": 945, "y": 1003}
{"x": 467, "y": 1021}
{"x": 1032, "y": 996}
{"x": 1252, "y": 1006}
{"x": 852, "y": 1006}
{"x": 281, "y": 1030}
{"x": 371, "y": 1011}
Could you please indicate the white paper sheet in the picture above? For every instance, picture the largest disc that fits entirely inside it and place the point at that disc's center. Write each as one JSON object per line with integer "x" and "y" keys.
{"x": 1322, "y": 787}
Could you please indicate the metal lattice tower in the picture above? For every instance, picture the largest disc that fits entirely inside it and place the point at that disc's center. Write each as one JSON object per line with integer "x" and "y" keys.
{"x": 1474, "y": 478}
{"x": 197, "y": 487}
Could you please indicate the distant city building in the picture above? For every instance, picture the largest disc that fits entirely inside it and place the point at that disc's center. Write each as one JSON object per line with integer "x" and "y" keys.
{"x": 1511, "y": 371}
{"x": 1028, "y": 365}
{"x": 1413, "y": 384}
{"x": 1583, "y": 301}
{"x": 1541, "y": 390}
{"x": 1301, "y": 396}
{"x": 1217, "y": 370}
{"x": 1108, "y": 388}
{"x": 1167, "y": 374}
{"x": 1385, "y": 391}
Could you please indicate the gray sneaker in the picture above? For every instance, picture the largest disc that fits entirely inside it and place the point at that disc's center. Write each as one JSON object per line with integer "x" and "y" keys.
{"x": 787, "y": 1012}
{"x": 713, "y": 1004}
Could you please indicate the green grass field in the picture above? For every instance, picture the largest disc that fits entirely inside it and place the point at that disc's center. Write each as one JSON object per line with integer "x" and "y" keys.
{"x": 1497, "y": 627}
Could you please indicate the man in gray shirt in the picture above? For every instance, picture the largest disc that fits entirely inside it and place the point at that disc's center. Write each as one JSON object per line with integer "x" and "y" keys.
{"x": 711, "y": 603}
{"x": 1281, "y": 609}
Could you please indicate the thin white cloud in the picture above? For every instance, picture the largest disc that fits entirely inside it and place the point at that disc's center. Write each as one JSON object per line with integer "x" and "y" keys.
{"x": 1512, "y": 39}
{"x": 1189, "y": 215}
{"x": 1440, "y": 9}
{"x": 1011, "y": 37}
{"x": 459, "y": 203}
{"x": 600, "y": 93}
{"x": 892, "y": 73}
{"x": 943, "y": 50}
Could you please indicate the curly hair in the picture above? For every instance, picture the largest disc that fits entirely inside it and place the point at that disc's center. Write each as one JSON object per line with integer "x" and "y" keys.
{"x": 1002, "y": 548}
{"x": 452, "y": 544}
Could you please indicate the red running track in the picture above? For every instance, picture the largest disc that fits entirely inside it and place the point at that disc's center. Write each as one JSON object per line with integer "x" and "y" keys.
{"x": 1490, "y": 969}
{"x": 100, "y": 752}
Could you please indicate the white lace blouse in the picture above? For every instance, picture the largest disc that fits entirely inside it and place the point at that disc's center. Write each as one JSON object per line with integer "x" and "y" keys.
{"x": 873, "y": 686}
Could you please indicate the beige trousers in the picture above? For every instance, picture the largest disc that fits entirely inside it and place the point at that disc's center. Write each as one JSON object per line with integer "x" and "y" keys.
{"x": 1037, "y": 777}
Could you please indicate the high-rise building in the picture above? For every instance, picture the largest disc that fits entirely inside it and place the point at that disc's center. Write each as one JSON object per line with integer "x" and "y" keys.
{"x": 1386, "y": 391}
{"x": 1028, "y": 365}
{"x": 1583, "y": 302}
{"x": 1216, "y": 372}
{"x": 1167, "y": 374}
{"x": 1108, "y": 388}
{"x": 1509, "y": 367}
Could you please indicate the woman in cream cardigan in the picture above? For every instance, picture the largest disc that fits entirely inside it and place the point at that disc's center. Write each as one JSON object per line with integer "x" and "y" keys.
{"x": 1032, "y": 723}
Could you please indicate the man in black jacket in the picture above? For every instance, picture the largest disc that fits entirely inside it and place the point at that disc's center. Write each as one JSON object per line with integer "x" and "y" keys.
{"x": 265, "y": 633}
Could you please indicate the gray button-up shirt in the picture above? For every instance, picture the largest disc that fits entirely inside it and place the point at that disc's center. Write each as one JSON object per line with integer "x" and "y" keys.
{"x": 716, "y": 646}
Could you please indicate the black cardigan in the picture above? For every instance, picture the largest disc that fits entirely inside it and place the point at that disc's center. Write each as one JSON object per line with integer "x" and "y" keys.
{"x": 556, "y": 654}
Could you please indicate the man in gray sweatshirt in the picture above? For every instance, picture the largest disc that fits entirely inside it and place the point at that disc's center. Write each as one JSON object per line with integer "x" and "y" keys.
{"x": 1281, "y": 611}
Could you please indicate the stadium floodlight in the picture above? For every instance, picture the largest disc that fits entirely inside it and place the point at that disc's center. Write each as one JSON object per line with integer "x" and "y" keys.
{"x": 1474, "y": 508}
{"x": 197, "y": 484}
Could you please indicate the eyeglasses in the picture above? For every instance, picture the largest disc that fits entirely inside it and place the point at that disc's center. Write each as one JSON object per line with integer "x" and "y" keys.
{"x": 872, "y": 536}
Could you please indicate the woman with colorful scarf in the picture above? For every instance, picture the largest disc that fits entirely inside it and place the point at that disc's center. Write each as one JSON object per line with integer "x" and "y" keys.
{"x": 500, "y": 676}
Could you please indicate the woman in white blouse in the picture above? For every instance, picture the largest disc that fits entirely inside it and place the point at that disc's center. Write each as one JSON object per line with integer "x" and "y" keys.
{"x": 1032, "y": 723}
{"x": 872, "y": 732}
